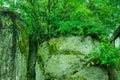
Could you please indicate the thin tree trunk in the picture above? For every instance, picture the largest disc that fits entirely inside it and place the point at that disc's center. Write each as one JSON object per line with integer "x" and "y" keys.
{"x": 116, "y": 34}
{"x": 32, "y": 56}
{"x": 49, "y": 9}
{"x": 111, "y": 73}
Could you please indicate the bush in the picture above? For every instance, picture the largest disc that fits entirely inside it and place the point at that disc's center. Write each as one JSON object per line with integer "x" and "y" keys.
{"x": 107, "y": 56}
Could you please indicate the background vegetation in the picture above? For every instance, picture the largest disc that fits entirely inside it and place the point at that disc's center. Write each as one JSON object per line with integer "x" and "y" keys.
{"x": 45, "y": 19}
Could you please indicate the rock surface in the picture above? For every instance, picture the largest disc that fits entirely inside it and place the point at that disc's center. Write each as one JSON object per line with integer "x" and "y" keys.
{"x": 62, "y": 58}
{"x": 5, "y": 53}
{"x": 65, "y": 58}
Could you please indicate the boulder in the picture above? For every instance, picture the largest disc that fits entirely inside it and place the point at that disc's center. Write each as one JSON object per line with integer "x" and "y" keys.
{"x": 66, "y": 58}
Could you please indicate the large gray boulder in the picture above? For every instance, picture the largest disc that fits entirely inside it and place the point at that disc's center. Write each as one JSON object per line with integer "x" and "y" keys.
{"x": 66, "y": 58}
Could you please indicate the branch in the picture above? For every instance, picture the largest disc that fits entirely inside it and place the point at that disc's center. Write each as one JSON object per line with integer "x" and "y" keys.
{"x": 116, "y": 34}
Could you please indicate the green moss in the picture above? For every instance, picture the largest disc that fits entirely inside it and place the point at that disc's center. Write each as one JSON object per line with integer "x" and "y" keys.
{"x": 54, "y": 50}
{"x": 23, "y": 42}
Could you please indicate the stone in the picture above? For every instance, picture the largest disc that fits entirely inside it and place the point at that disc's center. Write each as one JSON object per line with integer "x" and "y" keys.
{"x": 90, "y": 73}
{"x": 65, "y": 58}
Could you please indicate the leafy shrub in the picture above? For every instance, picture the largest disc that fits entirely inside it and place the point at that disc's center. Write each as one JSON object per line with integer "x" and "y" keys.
{"x": 108, "y": 55}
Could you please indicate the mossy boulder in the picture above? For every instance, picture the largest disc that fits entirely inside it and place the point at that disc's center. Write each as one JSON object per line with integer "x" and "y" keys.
{"x": 65, "y": 58}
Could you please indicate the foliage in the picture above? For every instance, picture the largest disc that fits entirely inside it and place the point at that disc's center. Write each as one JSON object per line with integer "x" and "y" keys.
{"x": 94, "y": 18}
{"x": 44, "y": 19}
{"x": 51, "y": 18}
{"x": 108, "y": 55}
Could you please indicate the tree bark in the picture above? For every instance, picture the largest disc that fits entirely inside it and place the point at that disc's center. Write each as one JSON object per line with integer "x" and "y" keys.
{"x": 32, "y": 57}
{"x": 116, "y": 34}
{"x": 111, "y": 73}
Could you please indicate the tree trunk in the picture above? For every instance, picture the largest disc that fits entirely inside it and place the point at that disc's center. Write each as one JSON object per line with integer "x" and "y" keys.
{"x": 116, "y": 34}
{"x": 32, "y": 56}
{"x": 111, "y": 73}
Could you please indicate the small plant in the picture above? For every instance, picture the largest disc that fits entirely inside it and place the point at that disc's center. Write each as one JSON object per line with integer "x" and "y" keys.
{"x": 107, "y": 56}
